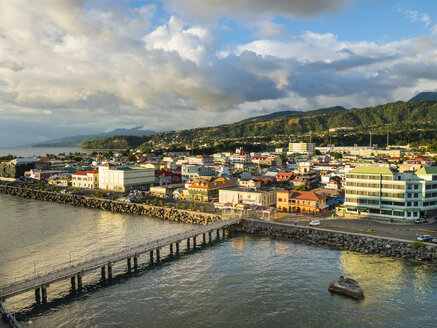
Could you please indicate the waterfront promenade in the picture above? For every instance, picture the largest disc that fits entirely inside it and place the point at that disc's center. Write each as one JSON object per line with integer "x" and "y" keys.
{"x": 40, "y": 282}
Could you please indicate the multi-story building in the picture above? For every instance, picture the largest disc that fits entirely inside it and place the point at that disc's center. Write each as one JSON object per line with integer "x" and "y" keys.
{"x": 85, "y": 179}
{"x": 125, "y": 178}
{"x": 306, "y": 202}
{"x": 202, "y": 160}
{"x": 16, "y": 168}
{"x": 301, "y": 148}
{"x": 195, "y": 171}
{"x": 205, "y": 190}
{"x": 386, "y": 193}
{"x": 264, "y": 197}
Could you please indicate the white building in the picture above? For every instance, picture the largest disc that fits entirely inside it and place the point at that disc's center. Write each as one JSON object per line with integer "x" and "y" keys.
{"x": 85, "y": 179}
{"x": 125, "y": 178}
{"x": 246, "y": 196}
{"x": 382, "y": 192}
{"x": 301, "y": 148}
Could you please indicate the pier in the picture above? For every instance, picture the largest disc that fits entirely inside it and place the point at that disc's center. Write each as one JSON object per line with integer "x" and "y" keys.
{"x": 11, "y": 322}
{"x": 75, "y": 272}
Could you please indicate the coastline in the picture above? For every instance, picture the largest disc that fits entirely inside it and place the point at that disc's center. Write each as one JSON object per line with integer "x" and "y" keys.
{"x": 169, "y": 214}
{"x": 342, "y": 240}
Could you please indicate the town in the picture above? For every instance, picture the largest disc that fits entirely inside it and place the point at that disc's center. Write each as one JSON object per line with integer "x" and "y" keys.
{"x": 303, "y": 182}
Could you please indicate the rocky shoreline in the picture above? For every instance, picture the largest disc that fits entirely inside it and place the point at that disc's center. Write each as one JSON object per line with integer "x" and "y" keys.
{"x": 341, "y": 240}
{"x": 169, "y": 214}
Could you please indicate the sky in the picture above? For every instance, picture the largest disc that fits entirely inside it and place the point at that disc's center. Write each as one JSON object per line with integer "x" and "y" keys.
{"x": 70, "y": 67}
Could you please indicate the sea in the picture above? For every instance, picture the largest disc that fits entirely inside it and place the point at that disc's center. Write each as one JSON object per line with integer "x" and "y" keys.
{"x": 242, "y": 281}
{"x": 38, "y": 151}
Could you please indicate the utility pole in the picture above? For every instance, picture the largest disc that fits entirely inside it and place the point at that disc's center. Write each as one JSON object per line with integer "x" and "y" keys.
{"x": 388, "y": 138}
{"x": 370, "y": 145}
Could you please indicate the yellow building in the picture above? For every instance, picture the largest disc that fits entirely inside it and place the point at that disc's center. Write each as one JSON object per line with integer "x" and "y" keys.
{"x": 300, "y": 202}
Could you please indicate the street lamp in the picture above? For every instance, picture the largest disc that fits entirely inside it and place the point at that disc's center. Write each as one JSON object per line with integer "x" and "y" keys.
{"x": 369, "y": 224}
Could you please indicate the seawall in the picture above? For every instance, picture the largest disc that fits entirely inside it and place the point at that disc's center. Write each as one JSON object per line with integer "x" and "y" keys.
{"x": 170, "y": 214}
{"x": 341, "y": 240}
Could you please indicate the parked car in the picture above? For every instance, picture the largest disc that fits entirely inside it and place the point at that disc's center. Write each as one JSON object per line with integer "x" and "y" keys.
{"x": 315, "y": 223}
{"x": 424, "y": 238}
{"x": 434, "y": 240}
{"x": 418, "y": 221}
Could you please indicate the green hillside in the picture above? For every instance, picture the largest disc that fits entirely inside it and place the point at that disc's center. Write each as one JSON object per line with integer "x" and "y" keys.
{"x": 394, "y": 117}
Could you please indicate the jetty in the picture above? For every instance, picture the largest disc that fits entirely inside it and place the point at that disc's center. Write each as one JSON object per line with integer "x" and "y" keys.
{"x": 75, "y": 272}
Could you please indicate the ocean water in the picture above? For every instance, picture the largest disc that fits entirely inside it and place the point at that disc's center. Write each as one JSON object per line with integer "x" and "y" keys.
{"x": 38, "y": 151}
{"x": 242, "y": 281}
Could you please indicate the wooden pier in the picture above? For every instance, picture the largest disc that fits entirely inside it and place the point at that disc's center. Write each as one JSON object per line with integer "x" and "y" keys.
{"x": 75, "y": 272}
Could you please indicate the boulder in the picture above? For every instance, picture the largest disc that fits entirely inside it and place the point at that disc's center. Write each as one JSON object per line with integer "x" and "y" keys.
{"x": 348, "y": 287}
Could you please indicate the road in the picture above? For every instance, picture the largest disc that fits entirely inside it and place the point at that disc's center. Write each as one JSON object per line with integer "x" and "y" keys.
{"x": 408, "y": 231}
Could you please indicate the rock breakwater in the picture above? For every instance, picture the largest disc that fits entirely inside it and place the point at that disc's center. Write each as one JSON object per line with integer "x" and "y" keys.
{"x": 342, "y": 240}
{"x": 170, "y": 214}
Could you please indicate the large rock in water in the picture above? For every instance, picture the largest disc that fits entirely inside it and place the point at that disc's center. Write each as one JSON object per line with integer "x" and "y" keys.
{"x": 346, "y": 286}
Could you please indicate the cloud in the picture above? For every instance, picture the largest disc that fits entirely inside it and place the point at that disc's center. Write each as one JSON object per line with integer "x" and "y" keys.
{"x": 211, "y": 9}
{"x": 79, "y": 64}
{"x": 415, "y": 16}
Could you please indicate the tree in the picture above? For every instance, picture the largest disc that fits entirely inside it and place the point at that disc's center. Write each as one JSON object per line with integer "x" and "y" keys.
{"x": 337, "y": 155}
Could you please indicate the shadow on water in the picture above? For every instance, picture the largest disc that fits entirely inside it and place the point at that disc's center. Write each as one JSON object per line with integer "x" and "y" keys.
{"x": 88, "y": 289}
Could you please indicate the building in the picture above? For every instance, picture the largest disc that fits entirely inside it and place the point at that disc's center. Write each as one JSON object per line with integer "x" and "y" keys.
{"x": 301, "y": 148}
{"x": 125, "y": 178}
{"x": 249, "y": 184}
{"x": 16, "y": 168}
{"x": 236, "y": 195}
{"x": 202, "y": 160}
{"x": 306, "y": 202}
{"x": 205, "y": 190}
{"x": 284, "y": 177}
{"x": 195, "y": 171}
{"x": 384, "y": 192}
{"x": 85, "y": 179}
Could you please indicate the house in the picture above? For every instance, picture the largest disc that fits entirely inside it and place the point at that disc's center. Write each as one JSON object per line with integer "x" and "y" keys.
{"x": 237, "y": 195}
{"x": 249, "y": 183}
{"x": 85, "y": 179}
{"x": 306, "y": 202}
{"x": 205, "y": 190}
{"x": 284, "y": 177}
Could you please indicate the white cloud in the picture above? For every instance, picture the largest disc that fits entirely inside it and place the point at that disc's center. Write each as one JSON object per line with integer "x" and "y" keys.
{"x": 415, "y": 16}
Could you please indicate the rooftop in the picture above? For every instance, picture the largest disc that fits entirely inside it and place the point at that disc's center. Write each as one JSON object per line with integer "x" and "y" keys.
{"x": 372, "y": 170}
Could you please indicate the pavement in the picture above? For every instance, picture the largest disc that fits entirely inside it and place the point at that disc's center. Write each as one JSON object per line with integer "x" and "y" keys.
{"x": 408, "y": 231}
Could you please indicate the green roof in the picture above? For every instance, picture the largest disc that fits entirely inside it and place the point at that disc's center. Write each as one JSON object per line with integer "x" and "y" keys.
{"x": 372, "y": 170}
{"x": 429, "y": 170}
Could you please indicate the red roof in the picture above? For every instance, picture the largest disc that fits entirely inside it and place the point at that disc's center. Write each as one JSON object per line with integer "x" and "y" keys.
{"x": 85, "y": 172}
{"x": 303, "y": 195}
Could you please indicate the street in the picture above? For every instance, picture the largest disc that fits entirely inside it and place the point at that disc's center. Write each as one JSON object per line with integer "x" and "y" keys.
{"x": 409, "y": 231}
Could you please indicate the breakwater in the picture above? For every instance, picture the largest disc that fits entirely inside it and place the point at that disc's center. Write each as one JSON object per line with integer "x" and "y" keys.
{"x": 342, "y": 240}
{"x": 170, "y": 214}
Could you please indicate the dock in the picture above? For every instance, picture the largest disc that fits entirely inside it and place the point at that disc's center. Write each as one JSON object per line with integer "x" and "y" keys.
{"x": 75, "y": 272}
{"x": 12, "y": 323}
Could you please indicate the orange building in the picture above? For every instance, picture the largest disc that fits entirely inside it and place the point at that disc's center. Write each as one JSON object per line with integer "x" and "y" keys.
{"x": 306, "y": 202}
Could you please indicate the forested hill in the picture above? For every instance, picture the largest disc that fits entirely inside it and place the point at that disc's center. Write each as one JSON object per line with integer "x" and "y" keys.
{"x": 392, "y": 116}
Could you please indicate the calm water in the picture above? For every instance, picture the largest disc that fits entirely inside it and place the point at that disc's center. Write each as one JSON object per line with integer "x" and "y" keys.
{"x": 244, "y": 281}
{"x": 37, "y": 151}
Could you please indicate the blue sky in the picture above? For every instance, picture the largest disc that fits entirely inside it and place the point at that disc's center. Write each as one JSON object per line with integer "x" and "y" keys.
{"x": 83, "y": 66}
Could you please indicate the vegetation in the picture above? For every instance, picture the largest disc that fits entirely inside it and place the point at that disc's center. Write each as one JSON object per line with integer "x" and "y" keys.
{"x": 408, "y": 122}
{"x": 418, "y": 244}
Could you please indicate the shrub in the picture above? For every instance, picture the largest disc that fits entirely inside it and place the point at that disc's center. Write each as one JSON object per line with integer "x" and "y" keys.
{"x": 418, "y": 244}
